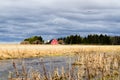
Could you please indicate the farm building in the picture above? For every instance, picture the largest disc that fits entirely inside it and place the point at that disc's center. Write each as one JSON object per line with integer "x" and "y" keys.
{"x": 37, "y": 42}
{"x": 25, "y": 42}
{"x": 54, "y": 42}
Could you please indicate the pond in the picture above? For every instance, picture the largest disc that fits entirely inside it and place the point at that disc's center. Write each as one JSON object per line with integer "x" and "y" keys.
{"x": 35, "y": 63}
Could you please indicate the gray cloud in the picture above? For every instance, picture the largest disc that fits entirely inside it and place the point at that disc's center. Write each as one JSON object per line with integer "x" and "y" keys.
{"x": 24, "y": 18}
{"x": 64, "y": 4}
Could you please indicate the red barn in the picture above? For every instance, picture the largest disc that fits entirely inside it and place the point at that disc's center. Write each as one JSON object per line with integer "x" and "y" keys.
{"x": 54, "y": 42}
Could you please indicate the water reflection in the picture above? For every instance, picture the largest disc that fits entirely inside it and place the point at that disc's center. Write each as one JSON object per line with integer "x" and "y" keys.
{"x": 35, "y": 63}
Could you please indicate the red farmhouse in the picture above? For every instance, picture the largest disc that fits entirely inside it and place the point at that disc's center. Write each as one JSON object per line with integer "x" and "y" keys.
{"x": 54, "y": 42}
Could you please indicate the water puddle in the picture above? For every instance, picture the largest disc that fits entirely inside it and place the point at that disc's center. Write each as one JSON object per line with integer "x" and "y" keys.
{"x": 35, "y": 63}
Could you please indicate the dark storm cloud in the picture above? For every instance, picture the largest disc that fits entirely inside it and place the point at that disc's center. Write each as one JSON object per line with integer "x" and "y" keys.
{"x": 24, "y": 18}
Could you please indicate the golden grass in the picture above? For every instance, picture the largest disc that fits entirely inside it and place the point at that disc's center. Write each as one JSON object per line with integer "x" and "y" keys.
{"x": 25, "y": 51}
{"x": 91, "y": 66}
{"x": 92, "y": 61}
{"x": 105, "y": 66}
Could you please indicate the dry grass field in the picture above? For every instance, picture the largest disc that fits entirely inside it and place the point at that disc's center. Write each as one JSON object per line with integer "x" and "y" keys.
{"x": 93, "y": 62}
{"x": 26, "y": 51}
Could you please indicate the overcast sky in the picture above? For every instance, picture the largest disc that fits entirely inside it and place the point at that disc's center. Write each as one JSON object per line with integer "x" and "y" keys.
{"x": 20, "y": 19}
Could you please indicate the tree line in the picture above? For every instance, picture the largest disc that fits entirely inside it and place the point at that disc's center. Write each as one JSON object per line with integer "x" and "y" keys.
{"x": 77, "y": 39}
{"x": 92, "y": 39}
{"x": 33, "y": 40}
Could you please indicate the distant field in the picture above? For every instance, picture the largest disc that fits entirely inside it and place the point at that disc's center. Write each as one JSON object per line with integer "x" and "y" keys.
{"x": 26, "y": 51}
